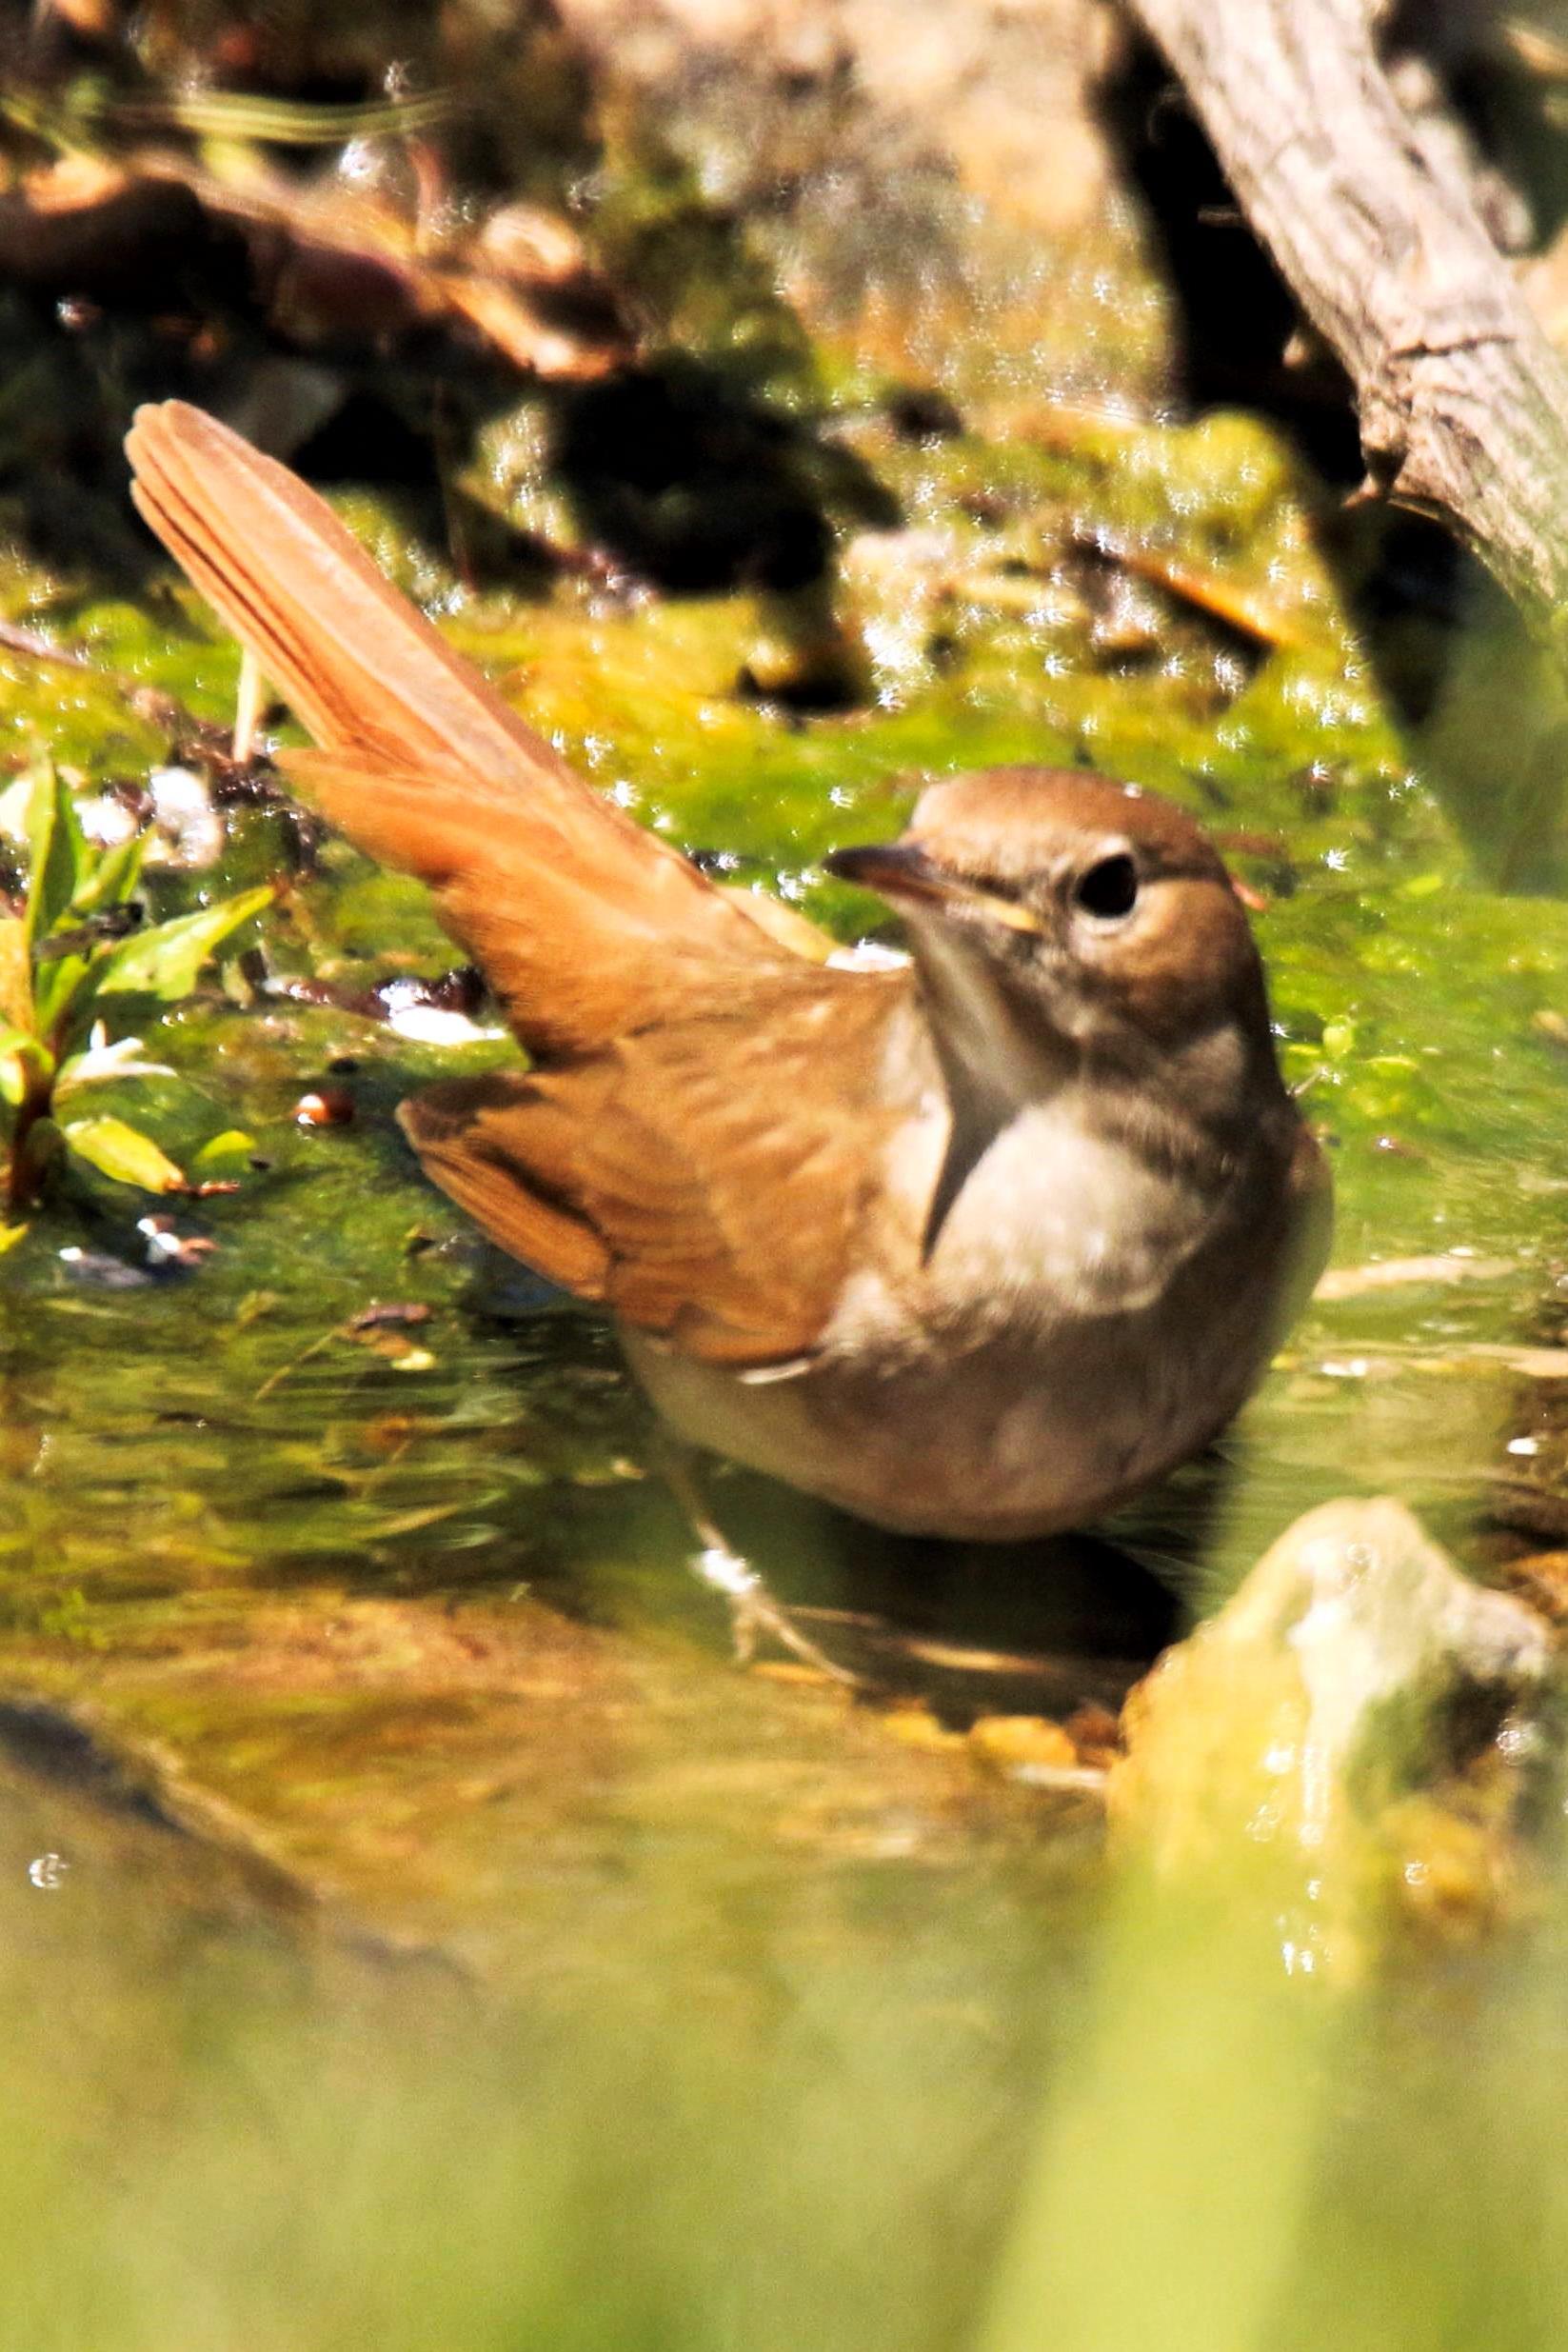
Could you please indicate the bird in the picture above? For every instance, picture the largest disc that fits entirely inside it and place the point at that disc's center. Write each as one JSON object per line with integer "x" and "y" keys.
{"x": 979, "y": 1244}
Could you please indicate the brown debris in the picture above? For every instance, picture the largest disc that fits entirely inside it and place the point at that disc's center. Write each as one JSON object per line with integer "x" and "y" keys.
{"x": 382, "y": 1312}
{"x": 1095, "y": 1733}
{"x": 327, "y": 265}
{"x": 1033, "y": 1751}
{"x": 1541, "y": 1578}
{"x": 324, "y": 1106}
{"x": 1239, "y": 607}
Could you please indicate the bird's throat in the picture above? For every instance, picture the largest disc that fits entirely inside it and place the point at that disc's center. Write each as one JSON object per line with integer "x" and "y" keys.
{"x": 995, "y": 1054}
{"x": 997, "y": 1049}
{"x": 1191, "y": 1119}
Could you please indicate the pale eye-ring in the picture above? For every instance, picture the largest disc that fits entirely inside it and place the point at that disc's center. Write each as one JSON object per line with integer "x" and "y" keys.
{"x": 1108, "y": 887}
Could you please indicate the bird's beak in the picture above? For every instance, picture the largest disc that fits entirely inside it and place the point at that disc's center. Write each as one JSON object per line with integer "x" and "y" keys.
{"x": 904, "y": 873}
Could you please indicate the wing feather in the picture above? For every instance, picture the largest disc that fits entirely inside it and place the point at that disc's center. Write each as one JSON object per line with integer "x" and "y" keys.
{"x": 699, "y": 1181}
{"x": 674, "y": 1154}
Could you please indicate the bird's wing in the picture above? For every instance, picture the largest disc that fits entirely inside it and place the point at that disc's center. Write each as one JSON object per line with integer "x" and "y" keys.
{"x": 674, "y": 1153}
{"x": 700, "y": 1179}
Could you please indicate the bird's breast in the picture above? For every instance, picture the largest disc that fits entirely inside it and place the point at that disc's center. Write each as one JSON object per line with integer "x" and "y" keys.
{"x": 1056, "y": 1220}
{"x": 1085, "y": 1322}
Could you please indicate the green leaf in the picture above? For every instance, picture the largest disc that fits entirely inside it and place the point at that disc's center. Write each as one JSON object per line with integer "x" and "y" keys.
{"x": 123, "y": 1152}
{"x": 40, "y": 829}
{"x": 17, "y": 1048}
{"x": 57, "y": 852}
{"x": 224, "y": 1154}
{"x": 54, "y": 990}
{"x": 164, "y": 962}
{"x": 112, "y": 877}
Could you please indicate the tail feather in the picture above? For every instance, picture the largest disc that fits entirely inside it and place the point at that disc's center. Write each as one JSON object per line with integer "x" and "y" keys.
{"x": 577, "y": 915}
{"x": 365, "y": 671}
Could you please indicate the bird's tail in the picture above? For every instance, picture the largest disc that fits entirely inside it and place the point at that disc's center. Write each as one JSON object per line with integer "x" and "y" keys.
{"x": 576, "y": 915}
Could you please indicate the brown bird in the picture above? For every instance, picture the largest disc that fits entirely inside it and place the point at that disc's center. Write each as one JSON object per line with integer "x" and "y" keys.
{"x": 977, "y": 1247}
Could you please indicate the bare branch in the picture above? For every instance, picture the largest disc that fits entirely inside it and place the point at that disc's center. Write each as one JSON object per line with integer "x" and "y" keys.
{"x": 1464, "y": 404}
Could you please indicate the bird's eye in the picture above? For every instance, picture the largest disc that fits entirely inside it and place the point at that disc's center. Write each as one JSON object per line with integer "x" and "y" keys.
{"x": 1108, "y": 887}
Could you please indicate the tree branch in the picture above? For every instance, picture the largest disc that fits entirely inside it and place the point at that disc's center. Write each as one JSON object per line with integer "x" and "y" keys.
{"x": 1464, "y": 404}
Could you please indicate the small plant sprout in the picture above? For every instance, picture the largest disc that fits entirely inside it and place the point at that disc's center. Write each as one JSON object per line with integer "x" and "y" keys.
{"x": 75, "y": 962}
